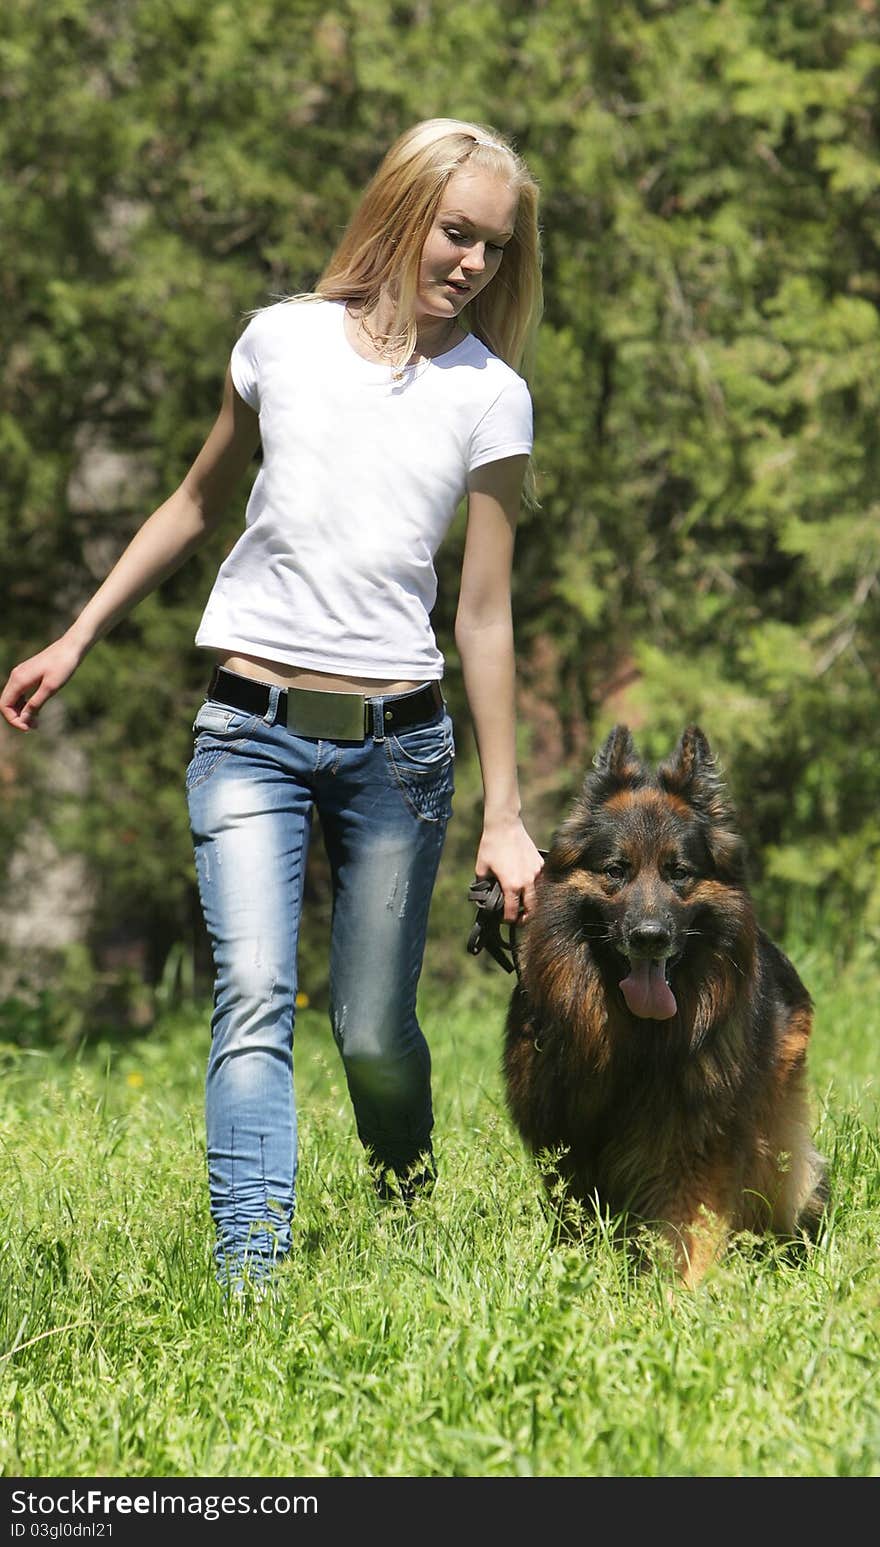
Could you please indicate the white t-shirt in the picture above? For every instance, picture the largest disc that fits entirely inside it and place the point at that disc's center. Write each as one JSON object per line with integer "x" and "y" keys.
{"x": 360, "y": 478}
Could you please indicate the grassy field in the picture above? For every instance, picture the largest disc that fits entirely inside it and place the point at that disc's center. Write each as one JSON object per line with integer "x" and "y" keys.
{"x": 453, "y": 1341}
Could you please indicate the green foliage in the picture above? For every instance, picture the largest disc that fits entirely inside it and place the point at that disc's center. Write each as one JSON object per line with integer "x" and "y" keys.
{"x": 706, "y": 390}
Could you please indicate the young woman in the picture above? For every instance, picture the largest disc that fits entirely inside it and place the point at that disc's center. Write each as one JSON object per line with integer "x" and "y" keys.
{"x": 379, "y": 402}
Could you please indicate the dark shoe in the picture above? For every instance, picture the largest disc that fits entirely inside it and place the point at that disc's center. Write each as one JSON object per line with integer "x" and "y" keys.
{"x": 417, "y": 1181}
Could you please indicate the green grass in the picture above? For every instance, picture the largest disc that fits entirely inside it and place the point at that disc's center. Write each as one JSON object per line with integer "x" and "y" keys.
{"x": 454, "y": 1341}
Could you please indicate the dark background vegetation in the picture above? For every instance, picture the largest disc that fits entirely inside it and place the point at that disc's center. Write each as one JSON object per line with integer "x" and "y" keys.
{"x": 706, "y": 392}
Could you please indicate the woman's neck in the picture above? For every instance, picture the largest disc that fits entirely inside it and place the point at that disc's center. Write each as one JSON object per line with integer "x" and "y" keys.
{"x": 434, "y": 335}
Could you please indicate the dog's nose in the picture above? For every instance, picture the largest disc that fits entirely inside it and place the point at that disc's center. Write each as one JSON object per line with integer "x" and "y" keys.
{"x": 650, "y": 938}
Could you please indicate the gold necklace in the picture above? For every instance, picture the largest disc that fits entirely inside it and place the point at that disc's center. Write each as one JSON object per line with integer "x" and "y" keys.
{"x": 380, "y": 345}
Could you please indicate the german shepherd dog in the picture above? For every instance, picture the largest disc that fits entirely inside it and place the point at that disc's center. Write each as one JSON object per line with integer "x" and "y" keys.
{"x": 656, "y": 1042}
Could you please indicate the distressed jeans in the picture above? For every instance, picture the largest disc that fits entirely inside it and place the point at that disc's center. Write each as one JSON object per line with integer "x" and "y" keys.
{"x": 383, "y": 806}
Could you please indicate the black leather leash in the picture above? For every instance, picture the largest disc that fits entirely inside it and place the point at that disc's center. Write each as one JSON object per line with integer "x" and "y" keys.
{"x": 486, "y": 895}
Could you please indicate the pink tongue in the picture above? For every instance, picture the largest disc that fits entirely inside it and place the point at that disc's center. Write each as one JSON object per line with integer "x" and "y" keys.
{"x": 647, "y": 992}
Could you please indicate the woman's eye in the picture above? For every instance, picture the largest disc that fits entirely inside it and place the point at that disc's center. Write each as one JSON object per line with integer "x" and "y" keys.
{"x": 455, "y": 236}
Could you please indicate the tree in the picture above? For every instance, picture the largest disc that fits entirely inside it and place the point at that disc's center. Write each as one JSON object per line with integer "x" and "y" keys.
{"x": 706, "y": 545}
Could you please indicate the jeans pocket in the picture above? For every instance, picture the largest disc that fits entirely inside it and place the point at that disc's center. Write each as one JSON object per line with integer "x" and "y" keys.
{"x": 218, "y": 730}
{"x": 222, "y": 720}
{"x": 422, "y": 760}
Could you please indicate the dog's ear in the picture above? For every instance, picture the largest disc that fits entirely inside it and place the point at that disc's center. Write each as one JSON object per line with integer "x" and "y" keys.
{"x": 692, "y": 773}
{"x": 617, "y": 765}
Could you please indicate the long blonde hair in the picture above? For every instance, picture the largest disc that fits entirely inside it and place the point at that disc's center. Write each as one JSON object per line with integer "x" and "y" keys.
{"x": 380, "y": 250}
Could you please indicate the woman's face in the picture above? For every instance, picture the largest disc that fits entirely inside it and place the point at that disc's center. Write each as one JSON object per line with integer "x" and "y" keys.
{"x": 464, "y": 248}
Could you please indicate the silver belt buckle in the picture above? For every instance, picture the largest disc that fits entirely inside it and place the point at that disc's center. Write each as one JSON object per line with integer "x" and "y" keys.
{"x": 326, "y": 716}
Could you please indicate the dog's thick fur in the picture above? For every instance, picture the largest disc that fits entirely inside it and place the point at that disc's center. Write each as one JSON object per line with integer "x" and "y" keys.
{"x": 656, "y": 1041}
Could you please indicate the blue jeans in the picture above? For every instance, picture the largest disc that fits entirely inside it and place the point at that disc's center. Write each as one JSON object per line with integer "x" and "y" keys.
{"x": 383, "y": 806}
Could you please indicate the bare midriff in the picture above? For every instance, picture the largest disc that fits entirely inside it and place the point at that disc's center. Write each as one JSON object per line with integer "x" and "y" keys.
{"x": 285, "y": 676}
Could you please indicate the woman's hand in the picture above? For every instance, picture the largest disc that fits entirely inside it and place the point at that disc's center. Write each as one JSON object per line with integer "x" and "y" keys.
{"x": 35, "y": 680}
{"x": 507, "y": 852}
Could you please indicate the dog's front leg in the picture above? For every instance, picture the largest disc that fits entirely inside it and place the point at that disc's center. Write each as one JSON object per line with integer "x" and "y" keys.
{"x": 698, "y": 1233}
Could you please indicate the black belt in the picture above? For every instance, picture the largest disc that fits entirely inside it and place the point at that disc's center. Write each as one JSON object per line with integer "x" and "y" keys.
{"x": 327, "y": 716}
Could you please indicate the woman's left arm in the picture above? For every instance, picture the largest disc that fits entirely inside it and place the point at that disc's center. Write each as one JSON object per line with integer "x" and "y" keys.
{"x": 484, "y": 639}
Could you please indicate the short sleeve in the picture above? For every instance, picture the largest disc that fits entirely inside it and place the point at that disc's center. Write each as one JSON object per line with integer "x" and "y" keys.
{"x": 244, "y": 367}
{"x": 506, "y": 428}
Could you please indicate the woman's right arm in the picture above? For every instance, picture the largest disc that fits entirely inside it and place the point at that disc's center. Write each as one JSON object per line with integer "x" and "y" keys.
{"x": 158, "y": 548}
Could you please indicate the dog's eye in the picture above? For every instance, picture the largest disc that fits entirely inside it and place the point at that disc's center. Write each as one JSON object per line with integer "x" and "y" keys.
{"x": 614, "y": 871}
{"x": 680, "y": 873}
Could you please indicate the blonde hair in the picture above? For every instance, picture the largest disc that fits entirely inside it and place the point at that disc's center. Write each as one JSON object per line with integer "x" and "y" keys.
{"x": 380, "y": 251}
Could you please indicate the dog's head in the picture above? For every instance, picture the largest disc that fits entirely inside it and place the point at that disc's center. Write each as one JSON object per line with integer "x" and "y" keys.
{"x": 650, "y": 869}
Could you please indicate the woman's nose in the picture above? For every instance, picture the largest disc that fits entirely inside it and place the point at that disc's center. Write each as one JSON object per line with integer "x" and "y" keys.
{"x": 474, "y": 260}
